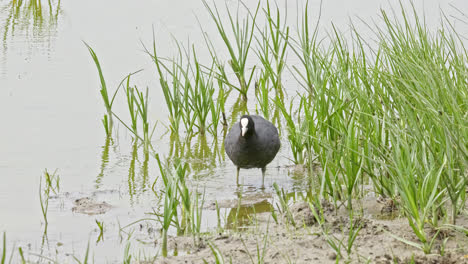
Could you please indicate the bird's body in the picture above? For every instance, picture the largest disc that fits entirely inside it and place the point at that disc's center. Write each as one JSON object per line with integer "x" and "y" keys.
{"x": 252, "y": 143}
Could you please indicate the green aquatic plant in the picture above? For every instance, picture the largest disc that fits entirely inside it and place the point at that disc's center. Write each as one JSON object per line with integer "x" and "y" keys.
{"x": 21, "y": 253}
{"x": 182, "y": 208}
{"x": 218, "y": 256}
{"x": 298, "y": 134}
{"x": 335, "y": 243}
{"x": 273, "y": 45}
{"x": 353, "y": 231}
{"x": 306, "y": 48}
{"x": 421, "y": 195}
{"x": 218, "y": 109}
{"x": 181, "y": 172}
{"x": 3, "y": 259}
{"x": 190, "y": 204}
{"x": 142, "y": 107}
{"x": 52, "y": 184}
{"x": 196, "y": 214}
{"x": 238, "y": 49}
{"x": 169, "y": 212}
{"x": 52, "y": 181}
{"x": 127, "y": 258}
{"x": 138, "y": 104}
{"x": 262, "y": 93}
{"x": 171, "y": 88}
{"x": 100, "y": 225}
{"x": 201, "y": 94}
{"x": 261, "y": 250}
{"x": 85, "y": 258}
{"x": 347, "y": 239}
{"x": 283, "y": 204}
{"x": 190, "y": 99}
{"x": 429, "y": 74}
{"x": 132, "y": 105}
{"x": 238, "y": 109}
{"x": 352, "y": 160}
{"x": 108, "y": 100}
{"x": 224, "y": 88}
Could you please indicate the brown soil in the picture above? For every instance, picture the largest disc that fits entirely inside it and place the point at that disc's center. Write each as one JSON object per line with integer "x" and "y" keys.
{"x": 308, "y": 243}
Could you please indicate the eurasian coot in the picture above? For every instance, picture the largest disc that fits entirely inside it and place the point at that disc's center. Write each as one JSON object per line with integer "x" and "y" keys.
{"x": 252, "y": 143}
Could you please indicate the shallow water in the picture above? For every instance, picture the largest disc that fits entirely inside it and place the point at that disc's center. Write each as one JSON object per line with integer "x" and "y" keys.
{"x": 50, "y": 109}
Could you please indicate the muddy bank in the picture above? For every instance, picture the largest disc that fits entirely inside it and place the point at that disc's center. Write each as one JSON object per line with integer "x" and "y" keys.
{"x": 281, "y": 242}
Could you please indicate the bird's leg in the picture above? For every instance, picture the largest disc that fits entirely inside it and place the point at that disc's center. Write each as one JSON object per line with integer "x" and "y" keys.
{"x": 237, "y": 176}
{"x": 263, "y": 177}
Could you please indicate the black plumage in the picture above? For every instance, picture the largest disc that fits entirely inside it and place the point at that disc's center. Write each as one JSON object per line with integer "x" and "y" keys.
{"x": 256, "y": 148}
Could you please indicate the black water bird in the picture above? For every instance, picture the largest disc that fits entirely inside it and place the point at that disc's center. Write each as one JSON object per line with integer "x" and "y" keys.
{"x": 252, "y": 143}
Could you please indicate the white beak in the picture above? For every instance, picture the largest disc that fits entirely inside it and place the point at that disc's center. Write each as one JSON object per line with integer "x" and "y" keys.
{"x": 244, "y": 123}
{"x": 243, "y": 131}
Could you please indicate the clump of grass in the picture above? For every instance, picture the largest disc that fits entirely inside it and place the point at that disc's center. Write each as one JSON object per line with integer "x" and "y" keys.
{"x": 132, "y": 105}
{"x": 218, "y": 109}
{"x": 394, "y": 116}
{"x": 283, "y": 204}
{"x": 170, "y": 204}
{"x": 262, "y": 90}
{"x": 352, "y": 160}
{"x": 298, "y": 133}
{"x": 306, "y": 48}
{"x": 182, "y": 208}
{"x": 142, "y": 106}
{"x": 137, "y": 105}
{"x": 238, "y": 49}
{"x": 272, "y": 48}
{"x": 171, "y": 88}
{"x": 421, "y": 195}
{"x": 428, "y": 73}
{"x": 191, "y": 97}
{"x": 202, "y": 95}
